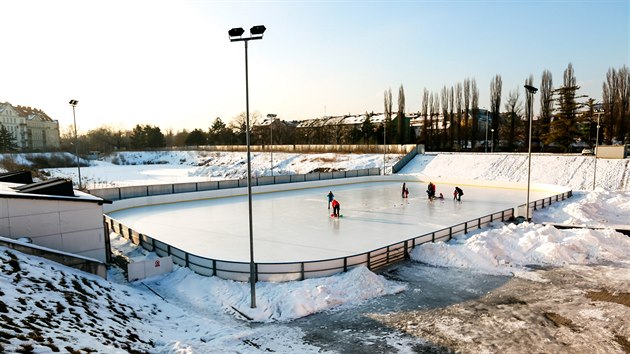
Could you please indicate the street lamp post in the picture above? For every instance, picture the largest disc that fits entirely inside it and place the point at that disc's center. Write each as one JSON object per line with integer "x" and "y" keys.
{"x": 595, "y": 152}
{"x": 531, "y": 90}
{"x": 235, "y": 35}
{"x": 492, "y": 141}
{"x": 74, "y": 103}
{"x": 272, "y": 117}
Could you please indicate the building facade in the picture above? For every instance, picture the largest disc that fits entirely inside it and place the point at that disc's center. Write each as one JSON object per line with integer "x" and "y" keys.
{"x": 32, "y": 128}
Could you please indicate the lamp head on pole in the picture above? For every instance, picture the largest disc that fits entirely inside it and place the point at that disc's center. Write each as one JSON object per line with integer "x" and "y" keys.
{"x": 531, "y": 89}
{"x": 73, "y": 103}
{"x": 236, "y": 32}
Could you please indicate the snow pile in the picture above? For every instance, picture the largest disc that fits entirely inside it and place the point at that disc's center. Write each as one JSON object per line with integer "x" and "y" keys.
{"x": 599, "y": 208}
{"x": 509, "y": 249}
{"x": 275, "y": 301}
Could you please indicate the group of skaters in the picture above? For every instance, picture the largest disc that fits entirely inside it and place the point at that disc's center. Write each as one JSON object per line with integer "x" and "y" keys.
{"x": 336, "y": 207}
{"x": 431, "y": 192}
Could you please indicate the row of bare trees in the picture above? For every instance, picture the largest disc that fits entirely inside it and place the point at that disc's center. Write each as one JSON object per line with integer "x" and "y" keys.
{"x": 450, "y": 119}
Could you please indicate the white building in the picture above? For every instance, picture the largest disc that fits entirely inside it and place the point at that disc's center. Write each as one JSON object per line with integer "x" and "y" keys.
{"x": 32, "y": 128}
{"x": 54, "y": 215}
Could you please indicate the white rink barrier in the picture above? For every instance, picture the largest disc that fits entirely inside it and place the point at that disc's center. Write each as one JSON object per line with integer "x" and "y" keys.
{"x": 149, "y": 268}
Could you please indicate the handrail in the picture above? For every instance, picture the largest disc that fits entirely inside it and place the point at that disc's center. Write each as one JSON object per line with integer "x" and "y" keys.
{"x": 286, "y": 271}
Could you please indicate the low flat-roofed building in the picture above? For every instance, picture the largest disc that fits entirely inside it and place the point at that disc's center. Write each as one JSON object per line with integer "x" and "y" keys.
{"x": 52, "y": 214}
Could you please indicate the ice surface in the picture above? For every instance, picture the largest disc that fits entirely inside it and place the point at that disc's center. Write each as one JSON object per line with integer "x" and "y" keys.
{"x": 296, "y": 225}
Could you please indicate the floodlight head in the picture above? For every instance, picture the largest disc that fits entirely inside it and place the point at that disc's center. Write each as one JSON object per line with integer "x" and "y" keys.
{"x": 531, "y": 89}
{"x": 73, "y": 102}
{"x": 236, "y": 32}
{"x": 257, "y": 30}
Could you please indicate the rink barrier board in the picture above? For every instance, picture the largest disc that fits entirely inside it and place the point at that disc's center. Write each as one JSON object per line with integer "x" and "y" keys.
{"x": 290, "y": 271}
{"x": 120, "y": 193}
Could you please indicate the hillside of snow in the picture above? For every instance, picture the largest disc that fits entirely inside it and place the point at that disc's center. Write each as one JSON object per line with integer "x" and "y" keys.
{"x": 574, "y": 171}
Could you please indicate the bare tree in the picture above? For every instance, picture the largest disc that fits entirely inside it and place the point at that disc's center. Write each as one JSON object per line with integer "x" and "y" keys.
{"x": 458, "y": 104}
{"x": 546, "y": 103}
{"x": 610, "y": 97}
{"x": 451, "y": 117}
{"x": 431, "y": 112}
{"x": 495, "y": 104}
{"x": 513, "y": 126}
{"x": 466, "y": 128}
{"x": 401, "y": 116}
{"x": 425, "y": 112}
{"x": 475, "y": 112}
{"x": 387, "y": 113}
{"x": 436, "y": 110}
{"x": 444, "y": 99}
{"x": 623, "y": 82}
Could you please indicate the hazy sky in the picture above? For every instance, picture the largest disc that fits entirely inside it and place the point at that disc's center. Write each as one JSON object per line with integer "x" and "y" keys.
{"x": 171, "y": 64}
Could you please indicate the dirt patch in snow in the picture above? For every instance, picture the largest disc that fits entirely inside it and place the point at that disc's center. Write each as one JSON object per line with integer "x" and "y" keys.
{"x": 576, "y": 309}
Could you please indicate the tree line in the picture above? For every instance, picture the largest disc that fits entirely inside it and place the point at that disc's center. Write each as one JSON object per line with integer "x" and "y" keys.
{"x": 448, "y": 120}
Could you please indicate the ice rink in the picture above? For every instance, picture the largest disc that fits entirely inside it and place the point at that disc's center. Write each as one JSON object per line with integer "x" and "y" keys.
{"x": 296, "y": 225}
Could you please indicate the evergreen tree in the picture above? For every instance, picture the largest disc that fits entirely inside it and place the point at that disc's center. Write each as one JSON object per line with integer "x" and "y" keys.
{"x": 196, "y": 138}
{"x": 564, "y": 126}
{"x": 7, "y": 141}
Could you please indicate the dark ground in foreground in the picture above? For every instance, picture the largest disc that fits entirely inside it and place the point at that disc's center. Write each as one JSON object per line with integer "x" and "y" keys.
{"x": 573, "y": 309}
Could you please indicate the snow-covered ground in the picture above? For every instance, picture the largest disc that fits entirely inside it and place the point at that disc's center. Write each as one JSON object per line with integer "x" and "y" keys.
{"x": 566, "y": 290}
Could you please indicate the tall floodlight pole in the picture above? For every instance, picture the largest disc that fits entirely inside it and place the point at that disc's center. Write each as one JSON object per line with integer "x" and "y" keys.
{"x": 531, "y": 90}
{"x": 273, "y": 117}
{"x": 236, "y": 36}
{"x": 74, "y": 103}
{"x": 595, "y": 152}
{"x": 492, "y": 141}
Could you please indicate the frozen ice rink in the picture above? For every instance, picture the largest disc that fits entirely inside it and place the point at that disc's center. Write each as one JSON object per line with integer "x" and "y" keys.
{"x": 296, "y": 225}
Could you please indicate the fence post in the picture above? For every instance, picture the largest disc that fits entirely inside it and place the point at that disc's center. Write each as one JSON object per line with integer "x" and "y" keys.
{"x": 407, "y": 250}
{"x": 450, "y": 233}
{"x": 369, "y": 261}
{"x": 186, "y": 259}
{"x": 119, "y": 194}
{"x": 214, "y": 267}
{"x": 433, "y": 237}
{"x": 345, "y": 264}
{"x": 387, "y": 256}
{"x": 147, "y": 191}
{"x": 465, "y": 227}
{"x": 302, "y": 270}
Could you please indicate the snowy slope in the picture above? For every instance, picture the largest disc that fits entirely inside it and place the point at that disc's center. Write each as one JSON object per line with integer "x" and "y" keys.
{"x": 574, "y": 171}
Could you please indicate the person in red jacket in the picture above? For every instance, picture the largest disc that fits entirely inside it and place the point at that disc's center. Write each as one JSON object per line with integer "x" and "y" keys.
{"x": 336, "y": 207}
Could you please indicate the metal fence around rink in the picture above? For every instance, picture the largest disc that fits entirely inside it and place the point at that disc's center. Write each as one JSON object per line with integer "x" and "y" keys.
{"x": 120, "y": 193}
{"x": 288, "y": 271}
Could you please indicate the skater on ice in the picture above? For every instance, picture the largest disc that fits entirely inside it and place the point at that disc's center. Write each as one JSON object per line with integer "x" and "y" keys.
{"x": 441, "y": 196}
{"x": 404, "y": 189}
{"x": 330, "y": 196}
{"x": 336, "y": 208}
{"x": 431, "y": 191}
{"x": 457, "y": 194}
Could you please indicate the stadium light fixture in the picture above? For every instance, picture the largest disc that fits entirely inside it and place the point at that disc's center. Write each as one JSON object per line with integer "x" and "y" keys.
{"x": 531, "y": 90}
{"x": 236, "y": 35}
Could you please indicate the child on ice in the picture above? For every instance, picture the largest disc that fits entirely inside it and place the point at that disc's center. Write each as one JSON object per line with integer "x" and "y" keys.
{"x": 336, "y": 208}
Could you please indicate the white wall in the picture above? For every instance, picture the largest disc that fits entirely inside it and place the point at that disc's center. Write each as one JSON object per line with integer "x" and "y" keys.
{"x": 74, "y": 227}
